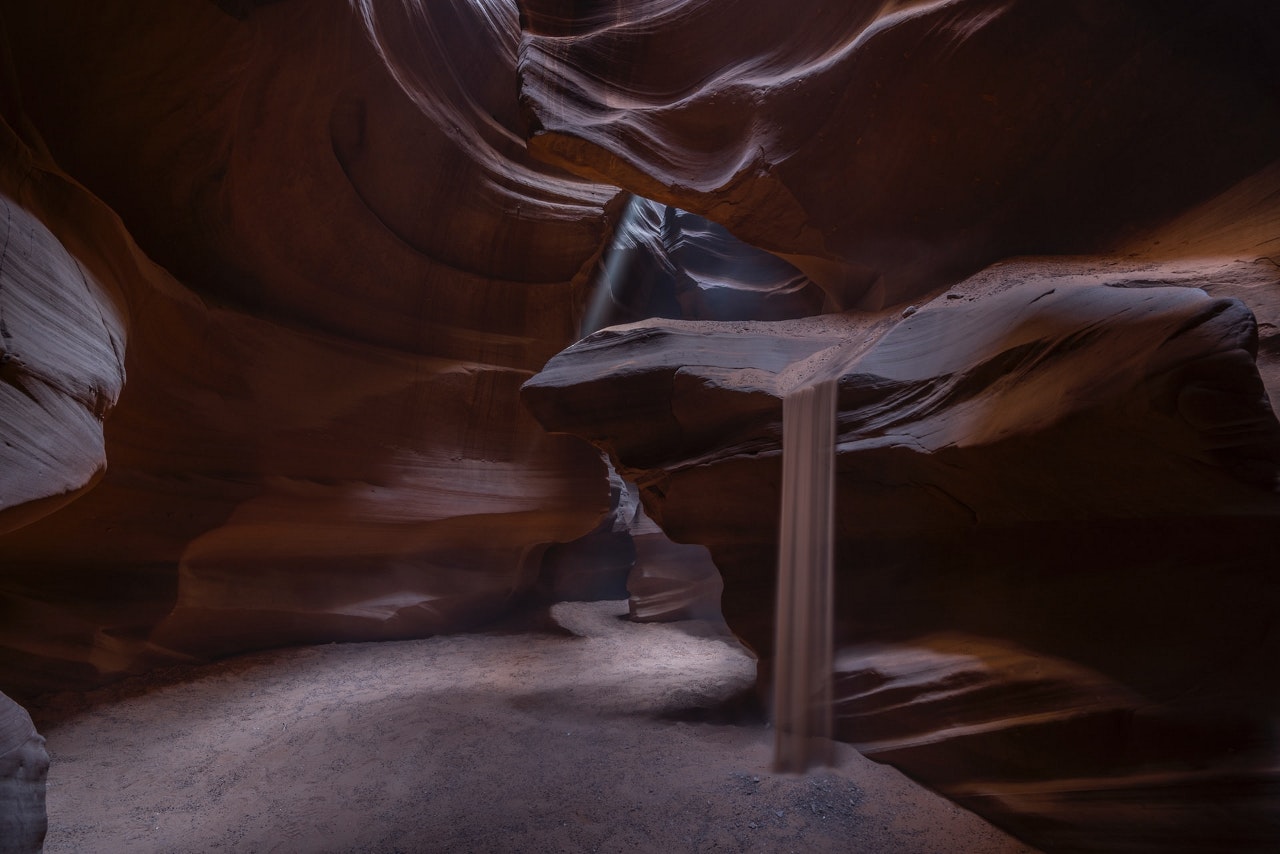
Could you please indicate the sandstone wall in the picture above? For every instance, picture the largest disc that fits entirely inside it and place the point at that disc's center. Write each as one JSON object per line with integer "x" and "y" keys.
{"x": 1056, "y": 474}
{"x": 271, "y": 286}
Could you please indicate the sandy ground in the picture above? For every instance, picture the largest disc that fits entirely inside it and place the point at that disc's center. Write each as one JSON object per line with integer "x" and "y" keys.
{"x": 581, "y": 738}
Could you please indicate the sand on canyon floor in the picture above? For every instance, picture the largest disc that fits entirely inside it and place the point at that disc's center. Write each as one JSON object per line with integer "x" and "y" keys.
{"x": 583, "y": 735}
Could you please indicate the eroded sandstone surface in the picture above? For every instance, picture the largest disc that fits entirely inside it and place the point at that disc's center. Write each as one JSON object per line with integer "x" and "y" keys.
{"x": 1054, "y": 458}
{"x": 1056, "y": 473}
{"x": 888, "y": 148}
{"x": 665, "y": 262}
{"x": 274, "y": 274}
{"x": 271, "y": 286}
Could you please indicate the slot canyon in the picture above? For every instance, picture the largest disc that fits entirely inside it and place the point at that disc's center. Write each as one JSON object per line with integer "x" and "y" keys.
{"x": 392, "y": 396}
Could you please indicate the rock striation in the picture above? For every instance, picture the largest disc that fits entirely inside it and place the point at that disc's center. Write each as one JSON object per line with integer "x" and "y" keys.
{"x": 670, "y": 581}
{"x": 889, "y": 148}
{"x": 665, "y": 262}
{"x": 61, "y": 370}
{"x": 1073, "y": 747}
{"x": 1058, "y": 456}
{"x": 1057, "y": 473}
{"x": 271, "y": 286}
{"x": 264, "y": 342}
{"x": 274, "y": 275}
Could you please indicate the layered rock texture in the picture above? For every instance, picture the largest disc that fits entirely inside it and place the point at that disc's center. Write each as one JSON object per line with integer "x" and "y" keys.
{"x": 274, "y": 273}
{"x": 1071, "y": 471}
{"x": 665, "y": 262}
{"x": 269, "y": 289}
{"x": 670, "y": 581}
{"x": 890, "y": 147}
{"x": 1056, "y": 474}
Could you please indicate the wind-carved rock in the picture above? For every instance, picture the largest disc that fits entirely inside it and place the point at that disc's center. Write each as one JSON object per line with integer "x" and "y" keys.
{"x": 670, "y": 581}
{"x": 328, "y": 278}
{"x": 314, "y": 246}
{"x": 889, "y": 148}
{"x": 1057, "y": 464}
{"x": 330, "y": 264}
{"x": 665, "y": 262}
{"x": 61, "y": 370}
{"x": 1071, "y": 483}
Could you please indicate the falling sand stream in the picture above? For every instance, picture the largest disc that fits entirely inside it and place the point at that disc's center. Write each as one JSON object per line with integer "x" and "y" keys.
{"x": 803, "y": 645}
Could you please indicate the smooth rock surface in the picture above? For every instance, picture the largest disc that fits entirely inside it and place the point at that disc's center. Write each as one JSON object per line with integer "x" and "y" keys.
{"x": 1073, "y": 458}
{"x": 665, "y": 262}
{"x": 670, "y": 581}
{"x": 282, "y": 269}
{"x": 889, "y": 148}
{"x": 62, "y": 342}
{"x": 1062, "y": 749}
{"x": 24, "y": 767}
{"x": 320, "y": 436}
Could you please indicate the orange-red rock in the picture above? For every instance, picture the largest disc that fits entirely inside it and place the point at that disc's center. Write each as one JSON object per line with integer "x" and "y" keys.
{"x": 319, "y": 435}
{"x": 272, "y": 280}
{"x": 1070, "y": 458}
{"x": 888, "y": 148}
{"x": 1076, "y": 458}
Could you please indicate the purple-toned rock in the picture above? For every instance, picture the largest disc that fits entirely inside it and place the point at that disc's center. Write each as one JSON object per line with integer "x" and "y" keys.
{"x": 890, "y": 148}
{"x": 24, "y": 765}
{"x": 1069, "y": 459}
{"x": 305, "y": 425}
{"x": 62, "y": 341}
{"x": 671, "y": 581}
{"x": 665, "y": 262}
{"x": 1055, "y": 751}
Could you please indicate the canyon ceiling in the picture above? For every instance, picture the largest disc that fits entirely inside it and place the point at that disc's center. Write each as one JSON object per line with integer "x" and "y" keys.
{"x": 291, "y": 300}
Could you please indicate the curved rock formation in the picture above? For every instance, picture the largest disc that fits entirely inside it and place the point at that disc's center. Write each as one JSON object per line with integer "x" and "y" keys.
{"x": 1062, "y": 456}
{"x": 320, "y": 435}
{"x": 24, "y": 764}
{"x": 944, "y": 411}
{"x": 1059, "y": 750}
{"x": 61, "y": 370}
{"x": 274, "y": 273}
{"x": 665, "y": 262}
{"x": 888, "y": 148}
{"x": 1065, "y": 458}
{"x": 671, "y": 581}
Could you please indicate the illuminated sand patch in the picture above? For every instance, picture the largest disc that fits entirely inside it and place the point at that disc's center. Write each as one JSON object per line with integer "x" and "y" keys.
{"x": 523, "y": 742}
